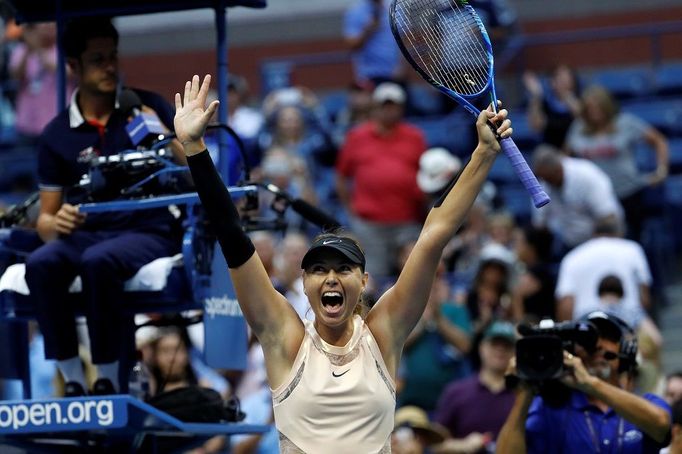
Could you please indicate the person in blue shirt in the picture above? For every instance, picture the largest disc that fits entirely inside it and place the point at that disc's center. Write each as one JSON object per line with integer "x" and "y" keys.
{"x": 105, "y": 249}
{"x": 601, "y": 414}
{"x": 367, "y": 34}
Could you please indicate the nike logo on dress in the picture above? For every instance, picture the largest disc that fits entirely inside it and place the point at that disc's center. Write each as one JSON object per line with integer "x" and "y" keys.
{"x": 334, "y": 374}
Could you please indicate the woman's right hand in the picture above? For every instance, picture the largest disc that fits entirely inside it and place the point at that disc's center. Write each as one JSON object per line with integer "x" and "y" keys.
{"x": 191, "y": 116}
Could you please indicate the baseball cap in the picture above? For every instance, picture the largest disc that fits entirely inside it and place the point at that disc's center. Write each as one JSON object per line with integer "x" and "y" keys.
{"x": 388, "y": 91}
{"x": 437, "y": 166}
{"x": 500, "y": 330}
{"x": 347, "y": 247}
{"x": 416, "y": 419}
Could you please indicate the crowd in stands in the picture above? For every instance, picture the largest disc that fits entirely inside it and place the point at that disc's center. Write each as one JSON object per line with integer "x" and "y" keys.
{"x": 371, "y": 166}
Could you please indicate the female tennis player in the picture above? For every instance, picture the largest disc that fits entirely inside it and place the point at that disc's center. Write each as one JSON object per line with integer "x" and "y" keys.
{"x": 332, "y": 379}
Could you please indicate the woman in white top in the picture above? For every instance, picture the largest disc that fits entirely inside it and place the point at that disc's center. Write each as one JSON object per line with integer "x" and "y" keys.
{"x": 332, "y": 379}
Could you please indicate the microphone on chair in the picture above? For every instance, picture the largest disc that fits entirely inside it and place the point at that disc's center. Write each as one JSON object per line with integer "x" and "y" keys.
{"x": 144, "y": 129}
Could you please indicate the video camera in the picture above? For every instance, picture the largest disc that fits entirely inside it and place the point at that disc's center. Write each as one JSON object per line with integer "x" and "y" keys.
{"x": 540, "y": 353}
{"x": 130, "y": 174}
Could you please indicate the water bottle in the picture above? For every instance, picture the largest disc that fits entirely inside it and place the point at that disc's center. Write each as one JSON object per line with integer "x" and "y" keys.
{"x": 138, "y": 384}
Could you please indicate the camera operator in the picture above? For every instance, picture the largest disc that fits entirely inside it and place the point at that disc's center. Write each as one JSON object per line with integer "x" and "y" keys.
{"x": 600, "y": 414}
{"x": 105, "y": 249}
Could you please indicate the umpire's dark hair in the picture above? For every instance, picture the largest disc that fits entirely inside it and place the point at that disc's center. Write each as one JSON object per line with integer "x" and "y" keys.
{"x": 80, "y": 30}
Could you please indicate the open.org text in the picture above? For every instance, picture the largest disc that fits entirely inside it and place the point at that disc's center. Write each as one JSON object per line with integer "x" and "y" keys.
{"x": 19, "y": 415}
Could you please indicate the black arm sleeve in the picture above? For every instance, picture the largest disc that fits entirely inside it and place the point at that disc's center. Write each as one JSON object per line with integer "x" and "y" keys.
{"x": 235, "y": 244}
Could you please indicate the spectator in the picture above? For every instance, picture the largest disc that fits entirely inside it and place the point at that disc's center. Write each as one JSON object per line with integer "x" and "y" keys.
{"x": 463, "y": 253}
{"x": 246, "y": 121}
{"x": 170, "y": 365}
{"x": 673, "y": 387}
{"x": 599, "y": 411}
{"x": 582, "y": 270}
{"x": 676, "y": 442}
{"x": 533, "y": 291}
{"x": 437, "y": 168}
{"x": 288, "y": 274}
{"x": 381, "y": 159}
{"x": 105, "y": 249}
{"x": 499, "y": 19}
{"x": 414, "y": 433}
{"x": 501, "y": 229}
{"x": 474, "y": 409}
{"x": 289, "y": 129}
{"x": 367, "y": 34}
{"x": 33, "y": 65}
{"x": 551, "y": 110}
{"x": 488, "y": 296}
{"x": 435, "y": 353}
{"x": 290, "y": 174}
{"x": 611, "y": 301}
{"x": 266, "y": 244}
{"x": 608, "y": 137}
{"x": 582, "y": 196}
{"x": 357, "y": 110}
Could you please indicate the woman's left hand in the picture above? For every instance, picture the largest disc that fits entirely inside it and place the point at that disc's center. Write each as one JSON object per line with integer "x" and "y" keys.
{"x": 499, "y": 121}
{"x": 191, "y": 115}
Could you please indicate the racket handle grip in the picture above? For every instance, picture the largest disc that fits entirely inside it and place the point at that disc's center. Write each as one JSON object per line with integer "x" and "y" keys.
{"x": 527, "y": 177}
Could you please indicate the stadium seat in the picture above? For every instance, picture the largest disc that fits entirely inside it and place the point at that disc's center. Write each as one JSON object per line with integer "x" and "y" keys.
{"x": 454, "y": 132}
{"x": 673, "y": 197}
{"x": 17, "y": 164}
{"x": 624, "y": 83}
{"x": 424, "y": 100}
{"x": 333, "y": 102}
{"x": 517, "y": 201}
{"x": 665, "y": 114}
{"x": 524, "y": 136}
{"x": 668, "y": 79}
{"x": 675, "y": 155}
{"x": 502, "y": 172}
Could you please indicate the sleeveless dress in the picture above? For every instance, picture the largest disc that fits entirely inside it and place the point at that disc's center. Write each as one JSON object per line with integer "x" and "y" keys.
{"x": 336, "y": 399}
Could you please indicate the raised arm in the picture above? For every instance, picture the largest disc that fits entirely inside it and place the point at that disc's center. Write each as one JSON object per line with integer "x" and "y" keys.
{"x": 399, "y": 309}
{"x": 271, "y": 317}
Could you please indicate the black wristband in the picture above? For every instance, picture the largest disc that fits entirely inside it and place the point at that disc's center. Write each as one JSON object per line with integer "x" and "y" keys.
{"x": 216, "y": 200}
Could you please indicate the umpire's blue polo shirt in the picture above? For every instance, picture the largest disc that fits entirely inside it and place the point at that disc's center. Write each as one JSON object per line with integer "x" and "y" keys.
{"x": 68, "y": 144}
{"x": 566, "y": 429}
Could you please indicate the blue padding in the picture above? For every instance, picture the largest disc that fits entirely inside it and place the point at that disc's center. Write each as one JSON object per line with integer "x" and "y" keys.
{"x": 454, "y": 132}
{"x": 668, "y": 79}
{"x": 19, "y": 162}
{"x": 625, "y": 82}
{"x": 425, "y": 100}
{"x": 517, "y": 201}
{"x": 665, "y": 114}
{"x": 334, "y": 102}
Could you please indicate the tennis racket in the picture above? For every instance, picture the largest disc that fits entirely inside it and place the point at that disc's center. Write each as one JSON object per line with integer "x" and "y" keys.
{"x": 446, "y": 43}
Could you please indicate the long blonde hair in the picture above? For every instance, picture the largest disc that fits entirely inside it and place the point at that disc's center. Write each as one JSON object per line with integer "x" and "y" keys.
{"x": 606, "y": 102}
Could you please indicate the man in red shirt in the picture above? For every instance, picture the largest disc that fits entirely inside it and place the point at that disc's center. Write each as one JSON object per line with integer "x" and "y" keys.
{"x": 377, "y": 179}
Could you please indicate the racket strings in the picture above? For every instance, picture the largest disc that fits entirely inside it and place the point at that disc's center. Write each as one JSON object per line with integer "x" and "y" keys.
{"x": 446, "y": 41}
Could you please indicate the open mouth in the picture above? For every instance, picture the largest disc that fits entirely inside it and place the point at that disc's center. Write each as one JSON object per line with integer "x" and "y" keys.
{"x": 332, "y": 302}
